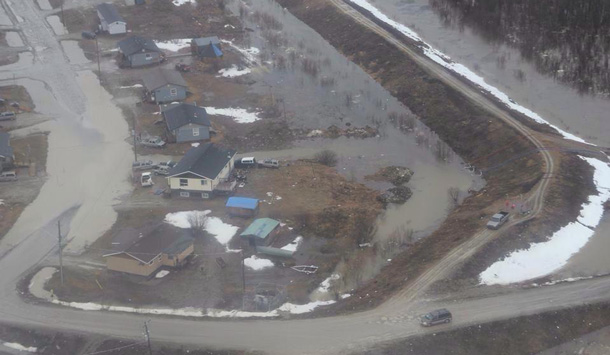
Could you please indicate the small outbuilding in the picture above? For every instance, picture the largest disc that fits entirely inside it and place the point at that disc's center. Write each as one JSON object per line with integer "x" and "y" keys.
{"x": 165, "y": 85}
{"x": 242, "y": 206}
{"x": 261, "y": 232}
{"x": 110, "y": 19}
{"x": 206, "y": 47}
{"x": 138, "y": 51}
{"x": 7, "y": 156}
{"x": 186, "y": 122}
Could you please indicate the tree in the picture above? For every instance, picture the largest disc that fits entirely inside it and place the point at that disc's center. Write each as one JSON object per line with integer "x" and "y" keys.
{"x": 326, "y": 157}
{"x": 197, "y": 220}
{"x": 454, "y": 195}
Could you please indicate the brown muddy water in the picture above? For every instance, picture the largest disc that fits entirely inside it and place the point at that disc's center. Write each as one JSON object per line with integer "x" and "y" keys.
{"x": 583, "y": 115}
{"x": 318, "y": 87}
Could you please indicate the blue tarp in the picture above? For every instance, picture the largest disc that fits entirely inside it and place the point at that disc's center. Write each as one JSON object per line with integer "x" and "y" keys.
{"x": 216, "y": 50}
{"x": 242, "y": 202}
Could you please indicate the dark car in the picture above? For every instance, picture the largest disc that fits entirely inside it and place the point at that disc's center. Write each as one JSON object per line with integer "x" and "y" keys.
{"x": 88, "y": 35}
{"x": 438, "y": 316}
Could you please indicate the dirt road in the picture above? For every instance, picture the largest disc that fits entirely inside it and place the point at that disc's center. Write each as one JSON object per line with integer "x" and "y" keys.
{"x": 395, "y": 319}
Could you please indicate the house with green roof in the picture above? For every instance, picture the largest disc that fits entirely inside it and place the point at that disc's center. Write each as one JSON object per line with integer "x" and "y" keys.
{"x": 261, "y": 232}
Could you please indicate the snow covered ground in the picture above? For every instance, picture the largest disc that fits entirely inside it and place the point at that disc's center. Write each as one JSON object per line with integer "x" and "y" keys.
{"x": 294, "y": 245}
{"x": 460, "y": 69}
{"x": 223, "y": 232}
{"x": 543, "y": 258}
{"x": 174, "y": 45}
{"x": 180, "y": 2}
{"x": 239, "y": 115}
{"x": 250, "y": 54}
{"x": 233, "y": 72}
{"x": 256, "y": 263}
{"x": 19, "y": 347}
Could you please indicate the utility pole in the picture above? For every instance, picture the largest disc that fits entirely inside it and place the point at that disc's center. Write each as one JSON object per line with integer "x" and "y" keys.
{"x": 243, "y": 281}
{"x": 99, "y": 70}
{"x": 62, "y": 13}
{"x": 148, "y": 337}
{"x": 61, "y": 262}
{"x": 135, "y": 143}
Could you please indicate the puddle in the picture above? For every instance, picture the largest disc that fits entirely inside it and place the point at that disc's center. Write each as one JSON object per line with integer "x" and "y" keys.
{"x": 74, "y": 53}
{"x": 582, "y": 115}
{"x": 13, "y": 39}
{"x": 56, "y": 25}
{"x": 44, "y": 5}
{"x": 4, "y": 19}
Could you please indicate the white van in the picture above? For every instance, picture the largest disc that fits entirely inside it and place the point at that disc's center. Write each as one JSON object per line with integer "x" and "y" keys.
{"x": 8, "y": 176}
{"x": 146, "y": 179}
{"x": 246, "y": 162}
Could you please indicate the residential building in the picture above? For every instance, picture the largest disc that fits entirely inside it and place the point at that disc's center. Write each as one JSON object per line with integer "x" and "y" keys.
{"x": 7, "y": 156}
{"x": 165, "y": 85}
{"x": 144, "y": 252}
{"x": 206, "y": 47}
{"x": 261, "y": 232}
{"x": 242, "y": 206}
{"x": 139, "y": 51}
{"x": 203, "y": 172}
{"x": 110, "y": 19}
{"x": 186, "y": 122}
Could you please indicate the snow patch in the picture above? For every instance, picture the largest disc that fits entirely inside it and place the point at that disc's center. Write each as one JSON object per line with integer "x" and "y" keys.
{"x": 233, "y": 72}
{"x": 256, "y": 263}
{"x": 325, "y": 285}
{"x": 303, "y": 308}
{"x": 294, "y": 245}
{"x": 181, "y": 2}
{"x": 195, "y": 145}
{"x": 543, "y": 258}
{"x": 445, "y": 61}
{"x": 174, "y": 45}
{"x": 239, "y": 115}
{"x": 131, "y": 86}
{"x": 250, "y": 54}
{"x": 161, "y": 274}
{"x": 1, "y": 202}
{"x": 223, "y": 232}
{"x": 19, "y": 347}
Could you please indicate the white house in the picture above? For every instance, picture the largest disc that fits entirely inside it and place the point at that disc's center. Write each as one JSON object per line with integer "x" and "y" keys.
{"x": 110, "y": 19}
{"x": 203, "y": 172}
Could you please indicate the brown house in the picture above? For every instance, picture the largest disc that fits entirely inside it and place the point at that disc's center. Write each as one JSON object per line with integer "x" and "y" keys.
{"x": 143, "y": 253}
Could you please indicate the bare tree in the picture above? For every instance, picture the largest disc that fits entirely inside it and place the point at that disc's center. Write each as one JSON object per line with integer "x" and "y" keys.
{"x": 197, "y": 220}
{"x": 454, "y": 195}
{"x": 326, "y": 157}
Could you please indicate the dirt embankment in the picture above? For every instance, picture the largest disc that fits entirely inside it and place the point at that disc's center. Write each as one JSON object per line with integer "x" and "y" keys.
{"x": 480, "y": 138}
{"x": 523, "y": 335}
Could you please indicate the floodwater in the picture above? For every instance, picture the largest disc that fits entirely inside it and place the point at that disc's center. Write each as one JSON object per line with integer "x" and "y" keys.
{"x": 56, "y": 25}
{"x": 4, "y": 19}
{"x": 44, "y": 5}
{"x": 13, "y": 39}
{"x": 583, "y": 115}
{"x": 74, "y": 52}
{"x": 317, "y": 87}
{"x": 24, "y": 61}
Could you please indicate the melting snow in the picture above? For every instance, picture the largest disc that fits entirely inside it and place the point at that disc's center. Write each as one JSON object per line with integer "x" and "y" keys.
{"x": 161, "y": 274}
{"x": 131, "y": 86}
{"x": 180, "y": 2}
{"x": 460, "y": 69}
{"x": 1, "y": 202}
{"x": 233, "y": 72}
{"x": 19, "y": 347}
{"x": 303, "y": 308}
{"x": 543, "y": 258}
{"x": 174, "y": 45}
{"x": 239, "y": 115}
{"x": 195, "y": 145}
{"x": 325, "y": 285}
{"x": 223, "y": 232}
{"x": 256, "y": 263}
{"x": 294, "y": 245}
{"x": 248, "y": 53}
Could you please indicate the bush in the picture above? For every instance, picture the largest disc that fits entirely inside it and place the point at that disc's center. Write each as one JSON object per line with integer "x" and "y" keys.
{"x": 326, "y": 157}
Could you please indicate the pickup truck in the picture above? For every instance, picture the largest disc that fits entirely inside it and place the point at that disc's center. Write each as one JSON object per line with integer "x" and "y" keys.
{"x": 497, "y": 220}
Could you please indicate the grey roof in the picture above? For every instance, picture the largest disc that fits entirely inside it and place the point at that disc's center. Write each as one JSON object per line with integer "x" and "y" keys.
{"x": 204, "y": 41}
{"x": 146, "y": 245}
{"x": 155, "y": 79}
{"x": 5, "y": 145}
{"x": 182, "y": 114}
{"x": 207, "y": 160}
{"x": 109, "y": 13}
{"x": 135, "y": 44}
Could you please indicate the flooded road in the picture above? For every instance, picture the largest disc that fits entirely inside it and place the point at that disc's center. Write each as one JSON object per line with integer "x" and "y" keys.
{"x": 583, "y": 115}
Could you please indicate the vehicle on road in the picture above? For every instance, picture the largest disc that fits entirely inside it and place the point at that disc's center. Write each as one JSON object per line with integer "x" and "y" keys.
{"x": 8, "y": 176}
{"x": 269, "y": 163}
{"x": 146, "y": 179}
{"x": 7, "y": 116}
{"x": 247, "y": 162}
{"x": 142, "y": 165}
{"x": 154, "y": 142}
{"x": 438, "y": 316}
{"x": 160, "y": 170}
{"x": 497, "y": 220}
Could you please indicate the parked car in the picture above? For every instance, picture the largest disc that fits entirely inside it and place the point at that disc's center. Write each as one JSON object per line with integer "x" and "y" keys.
{"x": 146, "y": 179}
{"x": 497, "y": 220}
{"x": 438, "y": 316}
{"x": 167, "y": 164}
{"x": 142, "y": 165}
{"x": 88, "y": 35}
{"x": 7, "y": 116}
{"x": 269, "y": 163}
{"x": 247, "y": 162}
{"x": 160, "y": 170}
{"x": 154, "y": 142}
{"x": 8, "y": 176}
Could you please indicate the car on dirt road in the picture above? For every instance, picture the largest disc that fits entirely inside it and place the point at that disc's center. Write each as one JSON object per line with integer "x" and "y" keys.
{"x": 269, "y": 163}
{"x": 153, "y": 142}
{"x": 167, "y": 164}
{"x": 146, "y": 179}
{"x": 7, "y": 116}
{"x": 160, "y": 170}
{"x": 142, "y": 165}
{"x": 497, "y": 220}
{"x": 8, "y": 176}
{"x": 245, "y": 163}
{"x": 435, "y": 317}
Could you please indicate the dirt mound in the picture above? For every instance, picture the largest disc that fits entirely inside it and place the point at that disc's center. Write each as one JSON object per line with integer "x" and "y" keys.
{"x": 396, "y": 175}
{"x": 398, "y": 195}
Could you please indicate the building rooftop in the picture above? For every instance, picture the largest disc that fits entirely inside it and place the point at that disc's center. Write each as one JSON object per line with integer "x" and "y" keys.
{"x": 109, "y": 13}
{"x": 182, "y": 114}
{"x": 260, "y": 228}
{"x": 207, "y": 161}
{"x": 154, "y": 79}
{"x": 242, "y": 202}
{"x": 135, "y": 44}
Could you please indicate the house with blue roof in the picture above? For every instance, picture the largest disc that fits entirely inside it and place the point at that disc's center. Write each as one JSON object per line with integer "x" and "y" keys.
{"x": 261, "y": 232}
{"x": 242, "y": 206}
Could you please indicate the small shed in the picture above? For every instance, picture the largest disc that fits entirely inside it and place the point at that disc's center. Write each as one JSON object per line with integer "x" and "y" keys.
{"x": 206, "y": 47}
{"x": 110, "y": 19}
{"x": 242, "y": 206}
{"x": 261, "y": 232}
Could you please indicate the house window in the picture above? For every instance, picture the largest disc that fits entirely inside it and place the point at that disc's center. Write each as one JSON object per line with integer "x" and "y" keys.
{"x": 205, "y": 195}
{"x": 204, "y": 182}
{"x": 184, "y": 194}
{"x": 184, "y": 182}
{"x": 195, "y": 131}
{"x": 173, "y": 92}
{"x": 148, "y": 56}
